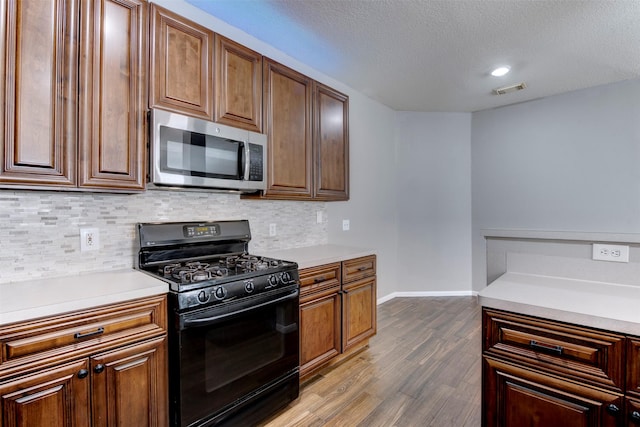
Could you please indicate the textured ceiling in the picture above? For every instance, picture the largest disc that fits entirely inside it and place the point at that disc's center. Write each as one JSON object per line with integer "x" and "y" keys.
{"x": 428, "y": 55}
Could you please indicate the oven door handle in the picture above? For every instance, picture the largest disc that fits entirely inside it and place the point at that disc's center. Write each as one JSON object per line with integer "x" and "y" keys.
{"x": 186, "y": 322}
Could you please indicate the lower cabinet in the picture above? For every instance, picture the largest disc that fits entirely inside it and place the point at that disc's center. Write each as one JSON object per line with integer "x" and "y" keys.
{"x": 516, "y": 396}
{"x": 337, "y": 312}
{"x": 99, "y": 367}
{"x": 538, "y": 372}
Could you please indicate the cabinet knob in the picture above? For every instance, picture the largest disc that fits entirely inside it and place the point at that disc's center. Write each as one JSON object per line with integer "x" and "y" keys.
{"x": 98, "y": 368}
{"x": 635, "y": 417}
{"x": 613, "y": 409}
{"x": 83, "y": 373}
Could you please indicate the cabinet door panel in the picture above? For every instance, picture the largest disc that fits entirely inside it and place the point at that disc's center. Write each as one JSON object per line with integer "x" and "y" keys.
{"x": 53, "y": 397}
{"x": 633, "y": 367}
{"x": 287, "y": 96}
{"x": 319, "y": 331}
{"x": 514, "y": 396}
{"x": 359, "y": 312}
{"x": 331, "y": 142}
{"x": 181, "y": 77}
{"x": 238, "y": 85}
{"x": 38, "y": 116}
{"x": 130, "y": 385}
{"x": 113, "y": 94}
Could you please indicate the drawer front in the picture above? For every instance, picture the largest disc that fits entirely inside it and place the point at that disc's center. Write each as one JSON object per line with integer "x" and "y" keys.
{"x": 358, "y": 268}
{"x": 321, "y": 279}
{"x": 571, "y": 351}
{"x": 80, "y": 333}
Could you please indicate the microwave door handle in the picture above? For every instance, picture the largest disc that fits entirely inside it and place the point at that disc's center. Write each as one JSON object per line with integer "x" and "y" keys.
{"x": 247, "y": 160}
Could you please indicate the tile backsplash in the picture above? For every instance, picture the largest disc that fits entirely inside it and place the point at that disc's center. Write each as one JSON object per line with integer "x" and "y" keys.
{"x": 40, "y": 230}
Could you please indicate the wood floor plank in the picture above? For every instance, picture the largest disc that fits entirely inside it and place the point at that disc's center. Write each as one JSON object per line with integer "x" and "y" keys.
{"x": 421, "y": 369}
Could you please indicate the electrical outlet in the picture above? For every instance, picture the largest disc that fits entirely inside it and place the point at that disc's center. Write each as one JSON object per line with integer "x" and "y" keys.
{"x": 319, "y": 217}
{"x": 616, "y": 253}
{"x": 272, "y": 230}
{"x": 346, "y": 225}
{"x": 89, "y": 239}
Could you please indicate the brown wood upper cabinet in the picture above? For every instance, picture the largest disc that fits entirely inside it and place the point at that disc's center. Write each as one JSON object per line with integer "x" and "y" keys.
{"x": 238, "y": 85}
{"x": 331, "y": 143}
{"x": 181, "y": 77}
{"x": 307, "y": 126}
{"x": 202, "y": 74}
{"x": 73, "y": 98}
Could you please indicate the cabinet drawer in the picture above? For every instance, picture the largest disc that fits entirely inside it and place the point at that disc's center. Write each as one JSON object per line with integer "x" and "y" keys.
{"x": 572, "y": 351}
{"x": 321, "y": 279}
{"x": 358, "y": 268}
{"x": 56, "y": 338}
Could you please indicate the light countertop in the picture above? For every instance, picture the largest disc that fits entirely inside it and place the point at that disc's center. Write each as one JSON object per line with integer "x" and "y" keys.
{"x": 312, "y": 256}
{"x": 600, "y": 305}
{"x": 31, "y": 299}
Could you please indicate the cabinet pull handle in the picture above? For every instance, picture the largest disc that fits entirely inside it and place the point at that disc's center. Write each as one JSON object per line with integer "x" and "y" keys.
{"x": 98, "y": 331}
{"x": 319, "y": 279}
{"x": 613, "y": 409}
{"x": 545, "y": 347}
{"x": 363, "y": 268}
{"x": 83, "y": 373}
{"x": 635, "y": 417}
{"x": 99, "y": 368}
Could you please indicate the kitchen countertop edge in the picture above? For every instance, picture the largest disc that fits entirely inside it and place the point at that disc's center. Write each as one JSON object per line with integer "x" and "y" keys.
{"x": 600, "y": 305}
{"x": 33, "y": 299}
{"x": 313, "y": 256}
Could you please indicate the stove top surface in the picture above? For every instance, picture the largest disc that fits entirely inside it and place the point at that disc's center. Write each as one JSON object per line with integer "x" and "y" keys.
{"x": 219, "y": 267}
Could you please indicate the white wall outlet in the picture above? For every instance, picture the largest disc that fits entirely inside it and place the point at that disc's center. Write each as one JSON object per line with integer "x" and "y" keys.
{"x": 272, "y": 230}
{"x": 89, "y": 239}
{"x": 319, "y": 217}
{"x": 616, "y": 253}
{"x": 346, "y": 225}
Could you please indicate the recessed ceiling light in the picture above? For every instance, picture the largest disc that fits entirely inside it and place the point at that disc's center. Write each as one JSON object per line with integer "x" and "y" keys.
{"x": 500, "y": 71}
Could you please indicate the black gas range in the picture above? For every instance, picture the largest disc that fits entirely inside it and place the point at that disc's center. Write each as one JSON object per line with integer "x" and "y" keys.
{"x": 233, "y": 338}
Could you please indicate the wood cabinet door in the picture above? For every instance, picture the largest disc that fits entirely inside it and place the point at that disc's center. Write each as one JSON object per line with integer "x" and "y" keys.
{"x": 287, "y": 103}
{"x": 632, "y": 413}
{"x": 38, "y": 111}
{"x": 515, "y": 396}
{"x": 54, "y": 397}
{"x": 358, "y": 312}
{"x": 319, "y": 331}
{"x": 181, "y": 76}
{"x": 633, "y": 366}
{"x": 113, "y": 94}
{"x": 238, "y": 85}
{"x": 129, "y": 385}
{"x": 331, "y": 144}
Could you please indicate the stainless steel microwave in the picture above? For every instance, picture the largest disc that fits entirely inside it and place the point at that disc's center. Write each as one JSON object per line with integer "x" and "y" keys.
{"x": 199, "y": 154}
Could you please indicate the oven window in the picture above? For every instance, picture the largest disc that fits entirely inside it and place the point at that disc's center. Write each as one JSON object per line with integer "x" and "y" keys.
{"x": 196, "y": 154}
{"x": 224, "y": 362}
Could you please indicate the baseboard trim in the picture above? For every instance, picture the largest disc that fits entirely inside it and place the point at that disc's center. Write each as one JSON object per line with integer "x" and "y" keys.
{"x": 426, "y": 294}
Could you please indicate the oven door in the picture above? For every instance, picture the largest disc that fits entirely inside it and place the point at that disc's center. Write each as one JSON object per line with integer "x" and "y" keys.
{"x": 227, "y": 356}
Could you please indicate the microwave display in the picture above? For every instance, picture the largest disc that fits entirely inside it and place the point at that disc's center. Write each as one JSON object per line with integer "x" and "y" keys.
{"x": 196, "y": 154}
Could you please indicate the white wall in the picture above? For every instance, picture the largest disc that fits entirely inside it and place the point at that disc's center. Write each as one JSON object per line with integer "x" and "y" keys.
{"x": 371, "y": 209}
{"x": 434, "y": 202}
{"x": 564, "y": 163}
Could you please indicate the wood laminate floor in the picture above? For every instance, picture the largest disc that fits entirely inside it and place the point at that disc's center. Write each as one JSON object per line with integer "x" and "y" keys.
{"x": 421, "y": 369}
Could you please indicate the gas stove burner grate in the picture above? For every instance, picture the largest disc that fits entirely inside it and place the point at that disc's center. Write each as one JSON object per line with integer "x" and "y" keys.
{"x": 197, "y": 271}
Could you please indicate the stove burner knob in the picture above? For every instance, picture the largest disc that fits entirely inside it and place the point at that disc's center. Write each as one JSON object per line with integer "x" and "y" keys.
{"x": 286, "y": 277}
{"x": 249, "y": 287}
{"x": 273, "y": 281}
{"x": 220, "y": 293}
{"x": 203, "y": 297}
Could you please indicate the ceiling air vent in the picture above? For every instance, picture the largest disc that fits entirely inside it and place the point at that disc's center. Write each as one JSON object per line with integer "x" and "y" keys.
{"x": 507, "y": 89}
